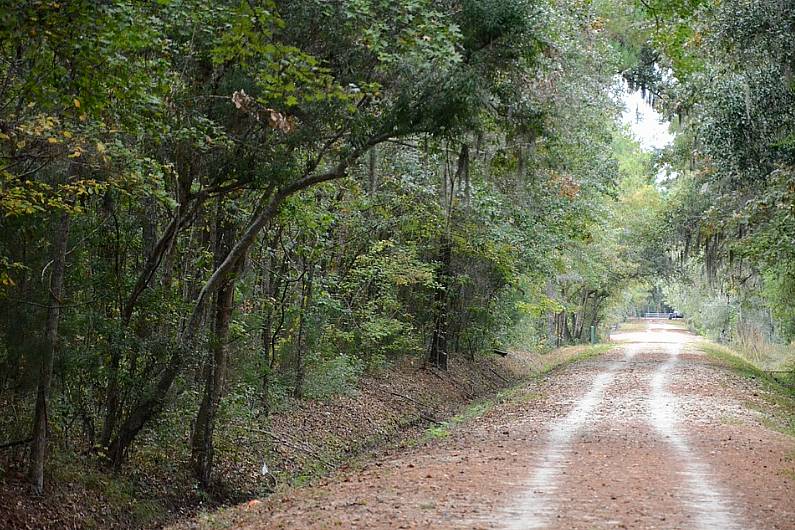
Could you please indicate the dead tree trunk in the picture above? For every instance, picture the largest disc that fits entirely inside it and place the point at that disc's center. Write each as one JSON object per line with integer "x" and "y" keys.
{"x": 38, "y": 449}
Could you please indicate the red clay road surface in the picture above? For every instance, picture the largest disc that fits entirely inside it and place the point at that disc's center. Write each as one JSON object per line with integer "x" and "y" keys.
{"x": 650, "y": 435}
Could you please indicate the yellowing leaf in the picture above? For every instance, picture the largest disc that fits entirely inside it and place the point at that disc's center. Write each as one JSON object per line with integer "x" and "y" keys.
{"x": 52, "y": 140}
{"x": 67, "y": 134}
{"x": 77, "y": 103}
{"x": 100, "y": 147}
{"x": 4, "y": 136}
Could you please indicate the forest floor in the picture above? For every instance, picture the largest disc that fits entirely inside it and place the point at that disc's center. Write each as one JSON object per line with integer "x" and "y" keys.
{"x": 662, "y": 431}
{"x": 305, "y": 440}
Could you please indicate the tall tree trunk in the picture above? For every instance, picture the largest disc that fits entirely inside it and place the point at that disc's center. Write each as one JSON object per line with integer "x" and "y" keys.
{"x": 38, "y": 449}
{"x": 271, "y": 326}
{"x": 437, "y": 353}
{"x": 581, "y": 313}
{"x": 552, "y": 334}
{"x": 153, "y": 399}
{"x": 566, "y": 331}
{"x": 215, "y": 375}
{"x": 115, "y": 342}
{"x": 148, "y": 220}
{"x": 443, "y": 188}
{"x": 598, "y": 299}
{"x": 300, "y": 345}
{"x": 215, "y": 364}
{"x": 372, "y": 171}
{"x": 269, "y": 281}
{"x": 271, "y": 201}
{"x": 111, "y": 396}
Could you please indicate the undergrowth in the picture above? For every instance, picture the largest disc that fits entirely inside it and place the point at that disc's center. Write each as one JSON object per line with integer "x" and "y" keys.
{"x": 779, "y": 391}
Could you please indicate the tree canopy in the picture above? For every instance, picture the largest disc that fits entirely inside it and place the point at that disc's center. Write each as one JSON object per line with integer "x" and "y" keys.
{"x": 214, "y": 210}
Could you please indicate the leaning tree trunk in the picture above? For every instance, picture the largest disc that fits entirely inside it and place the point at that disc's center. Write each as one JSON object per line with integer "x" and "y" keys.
{"x": 145, "y": 409}
{"x": 272, "y": 199}
{"x": 38, "y": 449}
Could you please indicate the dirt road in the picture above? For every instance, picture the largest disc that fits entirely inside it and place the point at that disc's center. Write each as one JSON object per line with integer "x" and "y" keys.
{"x": 650, "y": 435}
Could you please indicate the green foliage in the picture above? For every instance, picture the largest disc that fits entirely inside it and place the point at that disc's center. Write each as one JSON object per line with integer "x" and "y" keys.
{"x": 779, "y": 291}
{"x": 330, "y": 377}
{"x": 729, "y": 210}
{"x": 234, "y": 247}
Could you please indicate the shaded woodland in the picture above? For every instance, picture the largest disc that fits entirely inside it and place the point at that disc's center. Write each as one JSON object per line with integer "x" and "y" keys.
{"x": 213, "y": 212}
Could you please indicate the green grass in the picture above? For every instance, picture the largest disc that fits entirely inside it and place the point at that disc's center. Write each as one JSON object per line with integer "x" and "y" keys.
{"x": 778, "y": 394}
{"x": 730, "y": 420}
{"x": 518, "y": 393}
{"x": 643, "y": 325}
{"x": 589, "y": 352}
{"x": 633, "y": 325}
{"x": 788, "y": 471}
{"x": 311, "y": 471}
{"x": 472, "y": 411}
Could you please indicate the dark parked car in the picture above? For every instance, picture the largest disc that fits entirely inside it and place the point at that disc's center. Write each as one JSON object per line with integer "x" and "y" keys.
{"x": 675, "y": 314}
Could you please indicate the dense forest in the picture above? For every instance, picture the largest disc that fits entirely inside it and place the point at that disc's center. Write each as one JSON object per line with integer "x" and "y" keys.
{"x": 217, "y": 211}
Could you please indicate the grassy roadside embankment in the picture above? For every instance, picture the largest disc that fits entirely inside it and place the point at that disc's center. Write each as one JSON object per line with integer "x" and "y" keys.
{"x": 778, "y": 391}
{"x": 301, "y": 444}
{"x": 459, "y": 409}
{"x": 517, "y": 392}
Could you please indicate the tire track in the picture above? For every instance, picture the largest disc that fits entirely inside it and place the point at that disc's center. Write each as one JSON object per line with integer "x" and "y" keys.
{"x": 697, "y": 488}
{"x": 705, "y": 499}
{"x": 636, "y": 439}
{"x": 538, "y": 505}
